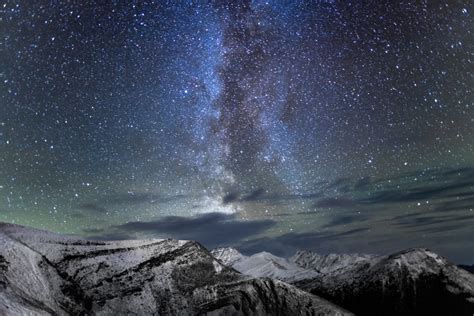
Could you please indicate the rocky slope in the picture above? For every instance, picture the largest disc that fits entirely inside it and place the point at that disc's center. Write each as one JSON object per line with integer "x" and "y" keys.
{"x": 263, "y": 264}
{"x": 328, "y": 263}
{"x": 411, "y": 282}
{"x": 47, "y": 274}
{"x": 228, "y": 255}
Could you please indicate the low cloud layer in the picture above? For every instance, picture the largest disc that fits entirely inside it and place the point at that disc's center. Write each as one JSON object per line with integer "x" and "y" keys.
{"x": 124, "y": 200}
{"x": 350, "y": 215}
{"x": 211, "y": 229}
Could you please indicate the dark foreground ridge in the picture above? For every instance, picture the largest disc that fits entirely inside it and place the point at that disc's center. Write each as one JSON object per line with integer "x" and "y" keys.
{"x": 46, "y": 274}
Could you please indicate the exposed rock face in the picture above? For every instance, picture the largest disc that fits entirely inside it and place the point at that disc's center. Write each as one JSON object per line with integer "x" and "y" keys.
{"x": 43, "y": 274}
{"x": 263, "y": 264}
{"x": 328, "y": 263}
{"x": 412, "y": 282}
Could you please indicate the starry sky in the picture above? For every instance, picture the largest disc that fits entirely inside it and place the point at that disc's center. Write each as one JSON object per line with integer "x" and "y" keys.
{"x": 330, "y": 125}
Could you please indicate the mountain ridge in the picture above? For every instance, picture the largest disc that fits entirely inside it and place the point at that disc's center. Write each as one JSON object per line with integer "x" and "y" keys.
{"x": 262, "y": 264}
{"x": 42, "y": 273}
{"x": 410, "y": 282}
{"x": 414, "y": 281}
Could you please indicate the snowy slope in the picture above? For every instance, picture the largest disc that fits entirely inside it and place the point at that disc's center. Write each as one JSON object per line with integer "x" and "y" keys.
{"x": 228, "y": 255}
{"x": 328, "y": 263}
{"x": 263, "y": 264}
{"x": 43, "y": 274}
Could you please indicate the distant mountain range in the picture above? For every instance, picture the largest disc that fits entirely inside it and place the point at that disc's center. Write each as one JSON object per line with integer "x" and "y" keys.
{"x": 47, "y": 274}
{"x": 263, "y": 264}
{"x": 411, "y": 282}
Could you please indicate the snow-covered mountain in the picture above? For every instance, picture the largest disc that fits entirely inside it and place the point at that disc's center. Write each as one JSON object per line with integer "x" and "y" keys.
{"x": 228, "y": 255}
{"x": 411, "y": 282}
{"x": 263, "y": 264}
{"x": 328, "y": 263}
{"x": 43, "y": 273}
{"x": 47, "y": 274}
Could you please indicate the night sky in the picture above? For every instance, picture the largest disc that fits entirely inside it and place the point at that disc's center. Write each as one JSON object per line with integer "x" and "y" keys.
{"x": 330, "y": 125}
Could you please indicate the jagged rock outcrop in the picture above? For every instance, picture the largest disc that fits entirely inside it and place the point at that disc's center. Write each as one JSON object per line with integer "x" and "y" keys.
{"x": 47, "y": 274}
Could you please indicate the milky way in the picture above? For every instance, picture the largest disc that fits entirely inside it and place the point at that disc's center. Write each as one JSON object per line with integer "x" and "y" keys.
{"x": 268, "y": 125}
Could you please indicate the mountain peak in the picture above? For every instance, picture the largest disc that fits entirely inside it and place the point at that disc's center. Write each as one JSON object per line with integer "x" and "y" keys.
{"x": 414, "y": 281}
{"x": 329, "y": 262}
{"x": 228, "y": 255}
{"x": 417, "y": 260}
{"x": 263, "y": 264}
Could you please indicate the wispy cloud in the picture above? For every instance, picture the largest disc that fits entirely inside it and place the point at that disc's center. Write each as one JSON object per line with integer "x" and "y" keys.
{"x": 288, "y": 244}
{"x": 211, "y": 229}
{"x": 119, "y": 200}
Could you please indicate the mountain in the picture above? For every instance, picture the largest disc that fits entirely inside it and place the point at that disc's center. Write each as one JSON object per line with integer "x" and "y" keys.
{"x": 328, "y": 263}
{"x": 411, "y": 282}
{"x": 263, "y": 264}
{"x": 228, "y": 255}
{"x": 46, "y": 274}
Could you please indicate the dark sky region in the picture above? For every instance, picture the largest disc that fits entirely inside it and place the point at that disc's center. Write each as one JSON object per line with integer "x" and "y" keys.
{"x": 336, "y": 125}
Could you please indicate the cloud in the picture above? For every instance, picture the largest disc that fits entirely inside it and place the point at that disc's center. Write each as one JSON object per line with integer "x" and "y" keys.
{"x": 345, "y": 220}
{"x": 420, "y": 193}
{"x": 92, "y": 207}
{"x": 92, "y": 230}
{"x": 439, "y": 229}
{"x": 132, "y": 198}
{"x": 446, "y": 190}
{"x": 211, "y": 229}
{"x": 340, "y": 183}
{"x": 288, "y": 244}
{"x": 254, "y": 195}
{"x": 418, "y": 222}
{"x": 262, "y": 195}
{"x": 362, "y": 183}
{"x": 431, "y": 185}
{"x": 124, "y": 200}
{"x": 422, "y": 185}
{"x": 456, "y": 205}
{"x": 230, "y": 197}
{"x": 335, "y": 203}
{"x": 238, "y": 197}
